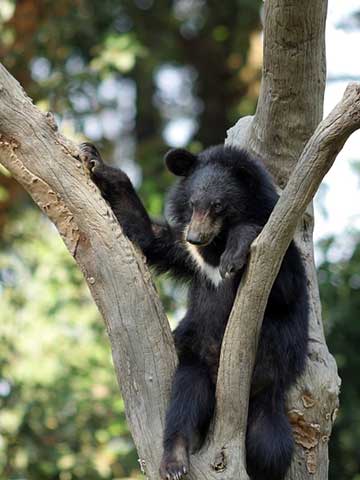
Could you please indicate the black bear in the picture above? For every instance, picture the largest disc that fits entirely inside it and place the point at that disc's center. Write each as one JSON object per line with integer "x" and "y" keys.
{"x": 213, "y": 213}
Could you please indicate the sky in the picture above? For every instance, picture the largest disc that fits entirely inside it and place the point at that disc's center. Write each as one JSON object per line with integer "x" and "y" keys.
{"x": 340, "y": 193}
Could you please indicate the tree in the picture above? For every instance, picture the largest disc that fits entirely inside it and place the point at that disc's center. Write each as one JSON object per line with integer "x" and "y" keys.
{"x": 289, "y": 110}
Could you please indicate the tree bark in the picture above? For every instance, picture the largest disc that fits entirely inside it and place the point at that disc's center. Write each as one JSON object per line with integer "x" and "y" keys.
{"x": 48, "y": 167}
{"x": 289, "y": 109}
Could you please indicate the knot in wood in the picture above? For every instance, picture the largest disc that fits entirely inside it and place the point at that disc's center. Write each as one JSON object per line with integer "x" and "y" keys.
{"x": 220, "y": 462}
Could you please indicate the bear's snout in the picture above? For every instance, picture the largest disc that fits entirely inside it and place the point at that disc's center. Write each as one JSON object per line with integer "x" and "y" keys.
{"x": 195, "y": 238}
{"x": 202, "y": 228}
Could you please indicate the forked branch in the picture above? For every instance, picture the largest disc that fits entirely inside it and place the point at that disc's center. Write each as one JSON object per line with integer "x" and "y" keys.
{"x": 240, "y": 340}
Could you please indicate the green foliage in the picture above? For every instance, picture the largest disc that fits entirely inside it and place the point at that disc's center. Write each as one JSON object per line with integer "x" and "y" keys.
{"x": 61, "y": 414}
{"x": 340, "y": 294}
{"x": 118, "y": 53}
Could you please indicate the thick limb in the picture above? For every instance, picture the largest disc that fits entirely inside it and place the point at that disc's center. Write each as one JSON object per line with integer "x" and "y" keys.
{"x": 237, "y": 248}
{"x": 157, "y": 240}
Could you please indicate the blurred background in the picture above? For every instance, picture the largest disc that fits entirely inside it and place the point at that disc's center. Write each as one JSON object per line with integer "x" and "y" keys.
{"x": 137, "y": 77}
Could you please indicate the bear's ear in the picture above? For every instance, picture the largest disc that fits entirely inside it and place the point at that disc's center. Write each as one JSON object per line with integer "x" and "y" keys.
{"x": 179, "y": 161}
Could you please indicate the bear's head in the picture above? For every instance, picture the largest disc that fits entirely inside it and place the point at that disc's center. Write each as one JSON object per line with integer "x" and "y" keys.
{"x": 216, "y": 189}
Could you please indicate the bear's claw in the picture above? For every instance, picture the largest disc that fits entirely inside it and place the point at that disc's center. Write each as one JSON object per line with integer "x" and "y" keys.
{"x": 90, "y": 156}
{"x": 173, "y": 471}
{"x": 231, "y": 264}
{"x": 175, "y": 463}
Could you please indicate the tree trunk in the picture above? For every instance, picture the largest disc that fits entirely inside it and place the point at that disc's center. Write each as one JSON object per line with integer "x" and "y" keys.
{"x": 289, "y": 109}
{"x": 48, "y": 167}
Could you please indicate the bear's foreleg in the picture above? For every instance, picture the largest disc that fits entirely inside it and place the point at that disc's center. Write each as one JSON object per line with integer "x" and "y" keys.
{"x": 116, "y": 188}
{"x": 156, "y": 239}
{"x": 239, "y": 239}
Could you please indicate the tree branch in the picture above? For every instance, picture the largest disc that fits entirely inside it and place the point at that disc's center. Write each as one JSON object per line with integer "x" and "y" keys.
{"x": 48, "y": 167}
{"x": 288, "y": 111}
{"x": 240, "y": 340}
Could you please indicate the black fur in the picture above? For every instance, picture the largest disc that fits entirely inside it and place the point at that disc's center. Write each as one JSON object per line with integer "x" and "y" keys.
{"x": 220, "y": 204}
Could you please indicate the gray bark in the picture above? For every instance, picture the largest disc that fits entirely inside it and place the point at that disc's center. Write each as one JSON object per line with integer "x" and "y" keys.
{"x": 290, "y": 107}
{"x": 48, "y": 167}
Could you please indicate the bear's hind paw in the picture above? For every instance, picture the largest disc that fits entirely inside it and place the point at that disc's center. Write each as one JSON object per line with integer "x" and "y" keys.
{"x": 173, "y": 470}
{"x": 175, "y": 463}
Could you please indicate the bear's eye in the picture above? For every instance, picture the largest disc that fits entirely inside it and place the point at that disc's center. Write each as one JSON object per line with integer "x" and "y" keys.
{"x": 217, "y": 205}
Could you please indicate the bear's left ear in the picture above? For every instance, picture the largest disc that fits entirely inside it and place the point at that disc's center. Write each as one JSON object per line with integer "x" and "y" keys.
{"x": 179, "y": 161}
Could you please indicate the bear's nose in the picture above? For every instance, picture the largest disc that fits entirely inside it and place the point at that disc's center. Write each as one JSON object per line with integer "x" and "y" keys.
{"x": 194, "y": 238}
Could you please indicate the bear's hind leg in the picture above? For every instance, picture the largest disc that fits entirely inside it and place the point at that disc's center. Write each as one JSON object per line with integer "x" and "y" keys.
{"x": 188, "y": 417}
{"x": 269, "y": 440}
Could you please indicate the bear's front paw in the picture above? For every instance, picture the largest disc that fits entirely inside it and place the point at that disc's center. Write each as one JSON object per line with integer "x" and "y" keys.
{"x": 91, "y": 157}
{"x": 232, "y": 262}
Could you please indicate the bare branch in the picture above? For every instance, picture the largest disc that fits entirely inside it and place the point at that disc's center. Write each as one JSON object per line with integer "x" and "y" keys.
{"x": 288, "y": 111}
{"x": 48, "y": 167}
{"x": 240, "y": 341}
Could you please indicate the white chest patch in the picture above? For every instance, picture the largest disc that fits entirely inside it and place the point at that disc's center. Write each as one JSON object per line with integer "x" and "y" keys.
{"x": 212, "y": 273}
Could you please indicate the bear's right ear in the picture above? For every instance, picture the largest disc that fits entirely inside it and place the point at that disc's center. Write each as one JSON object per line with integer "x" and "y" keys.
{"x": 179, "y": 161}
